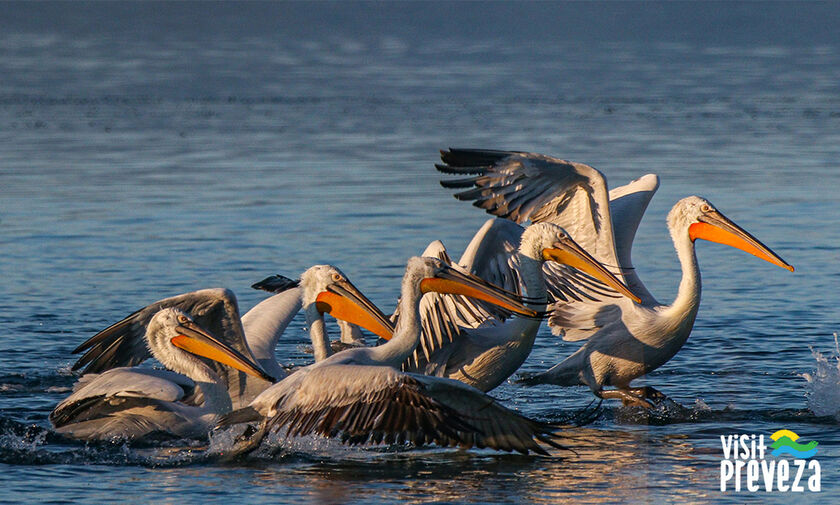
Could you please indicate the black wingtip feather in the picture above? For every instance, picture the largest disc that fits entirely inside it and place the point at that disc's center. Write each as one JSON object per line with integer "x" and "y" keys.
{"x": 472, "y": 157}
{"x": 276, "y": 284}
{"x": 458, "y": 183}
{"x": 475, "y": 170}
{"x": 107, "y": 333}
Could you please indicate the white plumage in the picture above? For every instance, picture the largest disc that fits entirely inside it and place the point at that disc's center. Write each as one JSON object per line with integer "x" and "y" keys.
{"x": 624, "y": 340}
{"x": 480, "y": 345}
{"x": 130, "y": 403}
{"x": 360, "y": 397}
{"x": 255, "y": 335}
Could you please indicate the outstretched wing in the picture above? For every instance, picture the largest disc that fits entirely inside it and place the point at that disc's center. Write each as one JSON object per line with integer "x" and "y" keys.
{"x": 492, "y": 255}
{"x": 580, "y": 320}
{"x": 528, "y": 186}
{"x": 124, "y": 343}
{"x": 522, "y": 186}
{"x": 266, "y": 322}
{"x": 372, "y": 405}
{"x": 627, "y": 206}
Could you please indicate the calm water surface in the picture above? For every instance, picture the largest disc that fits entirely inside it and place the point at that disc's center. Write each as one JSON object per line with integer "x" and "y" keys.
{"x": 151, "y": 149}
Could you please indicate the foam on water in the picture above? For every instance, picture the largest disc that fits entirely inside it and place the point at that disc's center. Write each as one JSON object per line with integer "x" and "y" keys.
{"x": 31, "y": 444}
{"x": 823, "y": 388}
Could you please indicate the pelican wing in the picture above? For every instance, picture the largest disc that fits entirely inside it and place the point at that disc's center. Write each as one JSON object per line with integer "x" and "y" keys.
{"x": 579, "y": 321}
{"x": 95, "y": 395}
{"x": 521, "y": 186}
{"x": 495, "y": 426}
{"x": 627, "y": 206}
{"x": 266, "y": 322}
{"x": 374, "y": 404}
{"x": 492, "y": 255}
{"x": 528, "y": 186}
{"x": 582, "y": 319}
{"x": 124, "y": 343}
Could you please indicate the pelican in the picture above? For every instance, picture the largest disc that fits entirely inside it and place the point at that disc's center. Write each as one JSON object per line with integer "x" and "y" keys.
{"x": 350, "y": 334}
{"x": 132, "y": 403}
{"x": 624, "y": 339}
{"x": 255, "y": 335}
{"x": 361, "y": 397}
{"x": 480, "y": 347}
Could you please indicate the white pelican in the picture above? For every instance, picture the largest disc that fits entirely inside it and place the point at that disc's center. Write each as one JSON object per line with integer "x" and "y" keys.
{"x": 350, "y": 334}
{"x": 132, "y": 403}
{"x": 625, "y": 340}
{"x": 255, "y": 335}
{"x": 480, "y": 347}
{"x": 359, "y": 396}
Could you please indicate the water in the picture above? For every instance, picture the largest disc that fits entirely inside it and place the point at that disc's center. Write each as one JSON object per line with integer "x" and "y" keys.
{"x": 151, "y": 149}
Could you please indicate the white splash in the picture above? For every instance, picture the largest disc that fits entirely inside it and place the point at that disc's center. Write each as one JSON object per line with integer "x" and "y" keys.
{"x": 701, "y": 406}
{"x": 823, "y": 388}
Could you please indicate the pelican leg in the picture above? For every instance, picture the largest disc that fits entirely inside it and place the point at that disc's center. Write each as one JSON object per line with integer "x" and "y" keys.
{"x": 626, "y": 396}
{"x": 649, "y": 392}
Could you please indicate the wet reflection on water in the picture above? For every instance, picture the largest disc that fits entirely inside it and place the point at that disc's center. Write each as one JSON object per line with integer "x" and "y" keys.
{"x": 609, "y": 465}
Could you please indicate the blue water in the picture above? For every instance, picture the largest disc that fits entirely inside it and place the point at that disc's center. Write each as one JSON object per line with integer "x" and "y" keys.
{"x": 148, "y": 149}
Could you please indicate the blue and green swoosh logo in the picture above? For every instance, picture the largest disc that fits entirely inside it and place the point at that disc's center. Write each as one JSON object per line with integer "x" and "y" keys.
{"x": 784, "y": 443}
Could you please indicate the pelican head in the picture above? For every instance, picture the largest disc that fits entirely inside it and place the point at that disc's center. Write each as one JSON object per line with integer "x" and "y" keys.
{"x": 431, "y": 274}
{"x": 175, "y": 339}
{"x": 552, "y": 243}
{"x": 702, "y": 220}
{"x": 328, "y": 289}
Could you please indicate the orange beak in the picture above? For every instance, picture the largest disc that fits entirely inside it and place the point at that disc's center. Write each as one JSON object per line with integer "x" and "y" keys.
{"x": 716, "y": 227}
{"x": 196, "y": 341}
{"x": 344, "y": 301}
{"x": 568, "y": 252}
{"x": 451, "y": 281}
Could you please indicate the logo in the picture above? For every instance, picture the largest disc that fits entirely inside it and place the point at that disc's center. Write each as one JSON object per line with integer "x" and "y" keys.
{"x": 784, "y": 442}
{"x": 787, "y": 468}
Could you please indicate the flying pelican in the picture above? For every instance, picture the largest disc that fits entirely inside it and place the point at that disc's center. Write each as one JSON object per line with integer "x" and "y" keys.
{"x": 132, "y": 403}
{"x": 480, "y": 346}
{"x": 361, "y": 397}
{"x": 625, "y": 340}
{"x": 255, "y": 335}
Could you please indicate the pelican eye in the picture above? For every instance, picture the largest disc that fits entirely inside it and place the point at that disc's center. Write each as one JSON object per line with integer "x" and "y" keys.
{"x": 336, "y": 277}
{"x": 706, "y": 207}
{"x": 183, "y": 319}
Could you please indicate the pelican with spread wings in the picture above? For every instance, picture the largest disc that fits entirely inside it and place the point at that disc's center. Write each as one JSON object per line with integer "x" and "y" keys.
{"x": 624, "y": 338}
